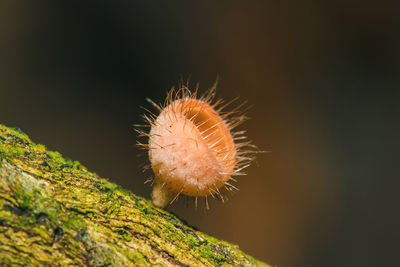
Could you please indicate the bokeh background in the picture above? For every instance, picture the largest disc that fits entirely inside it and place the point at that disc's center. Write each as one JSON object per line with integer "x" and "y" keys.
{"x": 323, "y": 76}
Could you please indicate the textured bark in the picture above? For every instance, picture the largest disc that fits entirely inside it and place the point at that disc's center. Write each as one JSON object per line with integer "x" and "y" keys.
{"x": 54, "y": 212}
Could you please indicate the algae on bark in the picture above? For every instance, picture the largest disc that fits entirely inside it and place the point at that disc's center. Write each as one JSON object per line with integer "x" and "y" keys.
{"x": 54, "y": 212}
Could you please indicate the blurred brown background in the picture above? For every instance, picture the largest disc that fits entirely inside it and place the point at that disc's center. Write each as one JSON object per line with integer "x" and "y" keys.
{"x": 324, "y": 78}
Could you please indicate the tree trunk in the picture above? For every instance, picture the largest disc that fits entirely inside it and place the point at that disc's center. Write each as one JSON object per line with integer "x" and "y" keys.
{"x": 54, "y": 212}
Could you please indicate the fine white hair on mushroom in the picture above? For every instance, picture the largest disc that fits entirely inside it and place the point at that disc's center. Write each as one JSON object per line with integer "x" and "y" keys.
{"x": 193, "y": 147}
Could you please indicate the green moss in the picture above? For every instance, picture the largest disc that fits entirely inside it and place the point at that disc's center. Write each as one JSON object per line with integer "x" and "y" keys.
{"x": 74, "y": 222}
{"x": 4, "y": 215}
{"x": 55, "y": 158}
{"x": 74, "y": 217}
{"x": 138, "y": 259}
{"x": 40, "y": 147}
{"x": 19, "y": 133}
{"x": 14, "y": 152}
{"x": 106, "y": 187}
{"x": 53, "y": 214}
{"x": 22, "y": 199}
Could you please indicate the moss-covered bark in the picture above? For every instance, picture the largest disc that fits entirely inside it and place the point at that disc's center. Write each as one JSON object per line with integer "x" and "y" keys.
{"x": 54, "y": 212}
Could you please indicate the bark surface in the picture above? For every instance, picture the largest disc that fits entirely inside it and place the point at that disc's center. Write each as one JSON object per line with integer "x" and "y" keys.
{"x": 54, "y": 212}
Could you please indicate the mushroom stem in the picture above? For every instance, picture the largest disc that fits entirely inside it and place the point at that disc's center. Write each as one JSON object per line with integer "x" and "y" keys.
{"x": 161, "y": 195}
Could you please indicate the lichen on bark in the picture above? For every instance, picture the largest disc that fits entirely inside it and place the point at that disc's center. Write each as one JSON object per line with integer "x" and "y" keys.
{"x": 54, "y": 212}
